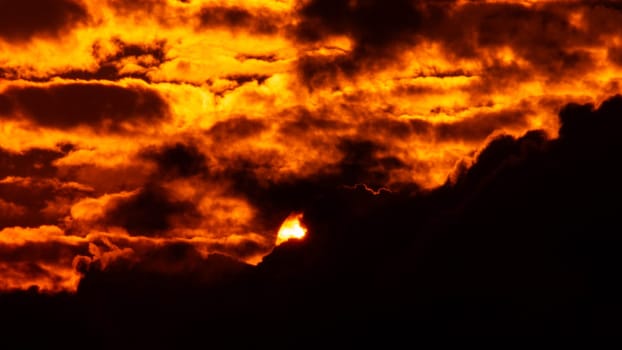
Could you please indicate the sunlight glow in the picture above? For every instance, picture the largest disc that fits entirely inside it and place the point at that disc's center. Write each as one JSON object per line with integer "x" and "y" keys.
{"x": 292, "y": 228}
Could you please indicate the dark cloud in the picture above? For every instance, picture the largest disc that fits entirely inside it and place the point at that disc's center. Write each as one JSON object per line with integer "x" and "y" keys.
{"x": 303, "y": 123}
{"x": 171, "y": 259}
{"x": 237, "y": 18}
{"x": 177, "y": 160}
{"x": 23, "y": 20}
{"x": 527, "y": 227}
{"x": 478, "y": 127}
{"x": 543, "y": 36}
{"x": 36, "y": 253}
{"x": 394, "y": 129}
{"x": 372, "y": 24}
{"x": 499, "y": 77}
{"x": 319, "y": 71}
{"x": 601, "y": 18}
{"x": 11, "y": 214}
{"x": 259, "y": 57}
{"x": 470, "y": 129}
{"x": 363, "y": 162}
{"x": 235, "y": 129}
{"x": 523, "y": 241}
{"x": 5, "y": 105}
{"x": 526, "y": 241}
{"x": 35, "y": 201}
{"x": 244, "y": 249}
{"x": 84, "y": 104}
{"x": 31, "y": 162}
{"x": 379, "y": 30}
{"x": 29, "y": 183}
{"x": 614, "y": 54}
{"x": 152, "y": 211}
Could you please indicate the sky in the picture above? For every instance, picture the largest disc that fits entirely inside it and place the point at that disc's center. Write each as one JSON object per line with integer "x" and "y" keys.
{"x": 466, "y": 147}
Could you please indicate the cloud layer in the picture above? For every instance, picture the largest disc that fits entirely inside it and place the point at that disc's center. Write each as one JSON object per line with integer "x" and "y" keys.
{"x": 172, "y": 138}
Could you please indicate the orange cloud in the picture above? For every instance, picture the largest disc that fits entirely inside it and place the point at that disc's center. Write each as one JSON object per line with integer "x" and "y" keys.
{"x": 205, "y": 123}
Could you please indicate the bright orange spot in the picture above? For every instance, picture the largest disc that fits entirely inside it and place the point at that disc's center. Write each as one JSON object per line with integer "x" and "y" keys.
{"x": 291, "y": 228}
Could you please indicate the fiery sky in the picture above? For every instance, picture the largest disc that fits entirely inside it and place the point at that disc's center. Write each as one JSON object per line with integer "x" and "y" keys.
{"x": 129, "y": 126}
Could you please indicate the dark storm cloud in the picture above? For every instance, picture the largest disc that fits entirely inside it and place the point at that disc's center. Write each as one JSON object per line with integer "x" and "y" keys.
{"x": 302, "y": 123}
{"x": 614, "y": 54}
{"x": 152, "y": 211}
{"x": 35, "y": 201}
{"x": 516, "y": 230}
{"x": 379, "y": 31}
{"x": 170, "y": 259}
{"x": 524, "y": 242}
{"x": 542, "y": 35}
{"x": 362, "y": 162}
{"x": 32, "y": 162}
{"x": 29, "y": 184}
{"x": 319, "y": 70}
{"x": 235, "y": 129}
{"x": 472, "y": 128}
{"x": 238, "y": 18}
{"x": 243, "y": 249}
{"x": 530, "y": 225}
{"x": 374, "y": 25}
{"x": 41, "y": 252}
{"x": 478, "y": 127}
{"x": 542, "y": 199}
{"x": 83, "y": 104}
{"x": 22, "y": 20}
{"x": 177, "y": 160}
{"x": 11, "y": 214}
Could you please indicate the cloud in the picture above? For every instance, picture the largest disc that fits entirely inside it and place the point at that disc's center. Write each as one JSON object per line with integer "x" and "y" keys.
{"x": 547, "y": 38}
{"x": 528, "y": 225}
{"x": 150, "y": 212}
{"x": 362, "y": 163}
{"x": 32, "y": 162}
{"x": 238, "y": 18}
{"x": 84, "y": 104}
{"x": 31, "y": 194}
{"x": 374, "y": 25}
{"x": 519, "y": 226}
{"x": 178, "y": 160}
{"x": 127, "y": 60}
{"x": 258, "y": 57}
{"x": 469, "y": 129}
{"x": 25, "y": 20}
{"x": 162, "y": 141}
{"x": 379, "y": 31}
{"x": 234, "y": 129}
{"x": 40, "y": 257}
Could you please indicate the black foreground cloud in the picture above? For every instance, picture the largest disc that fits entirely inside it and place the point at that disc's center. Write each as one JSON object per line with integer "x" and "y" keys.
{"x": 526, "y": 241}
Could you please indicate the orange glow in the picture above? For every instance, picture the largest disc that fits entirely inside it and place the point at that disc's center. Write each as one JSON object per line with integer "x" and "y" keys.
{"x": 292, "y": 228}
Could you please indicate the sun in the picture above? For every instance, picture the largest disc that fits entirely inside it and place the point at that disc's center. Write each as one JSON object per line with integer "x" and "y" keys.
{"x": 292, "y": 228}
